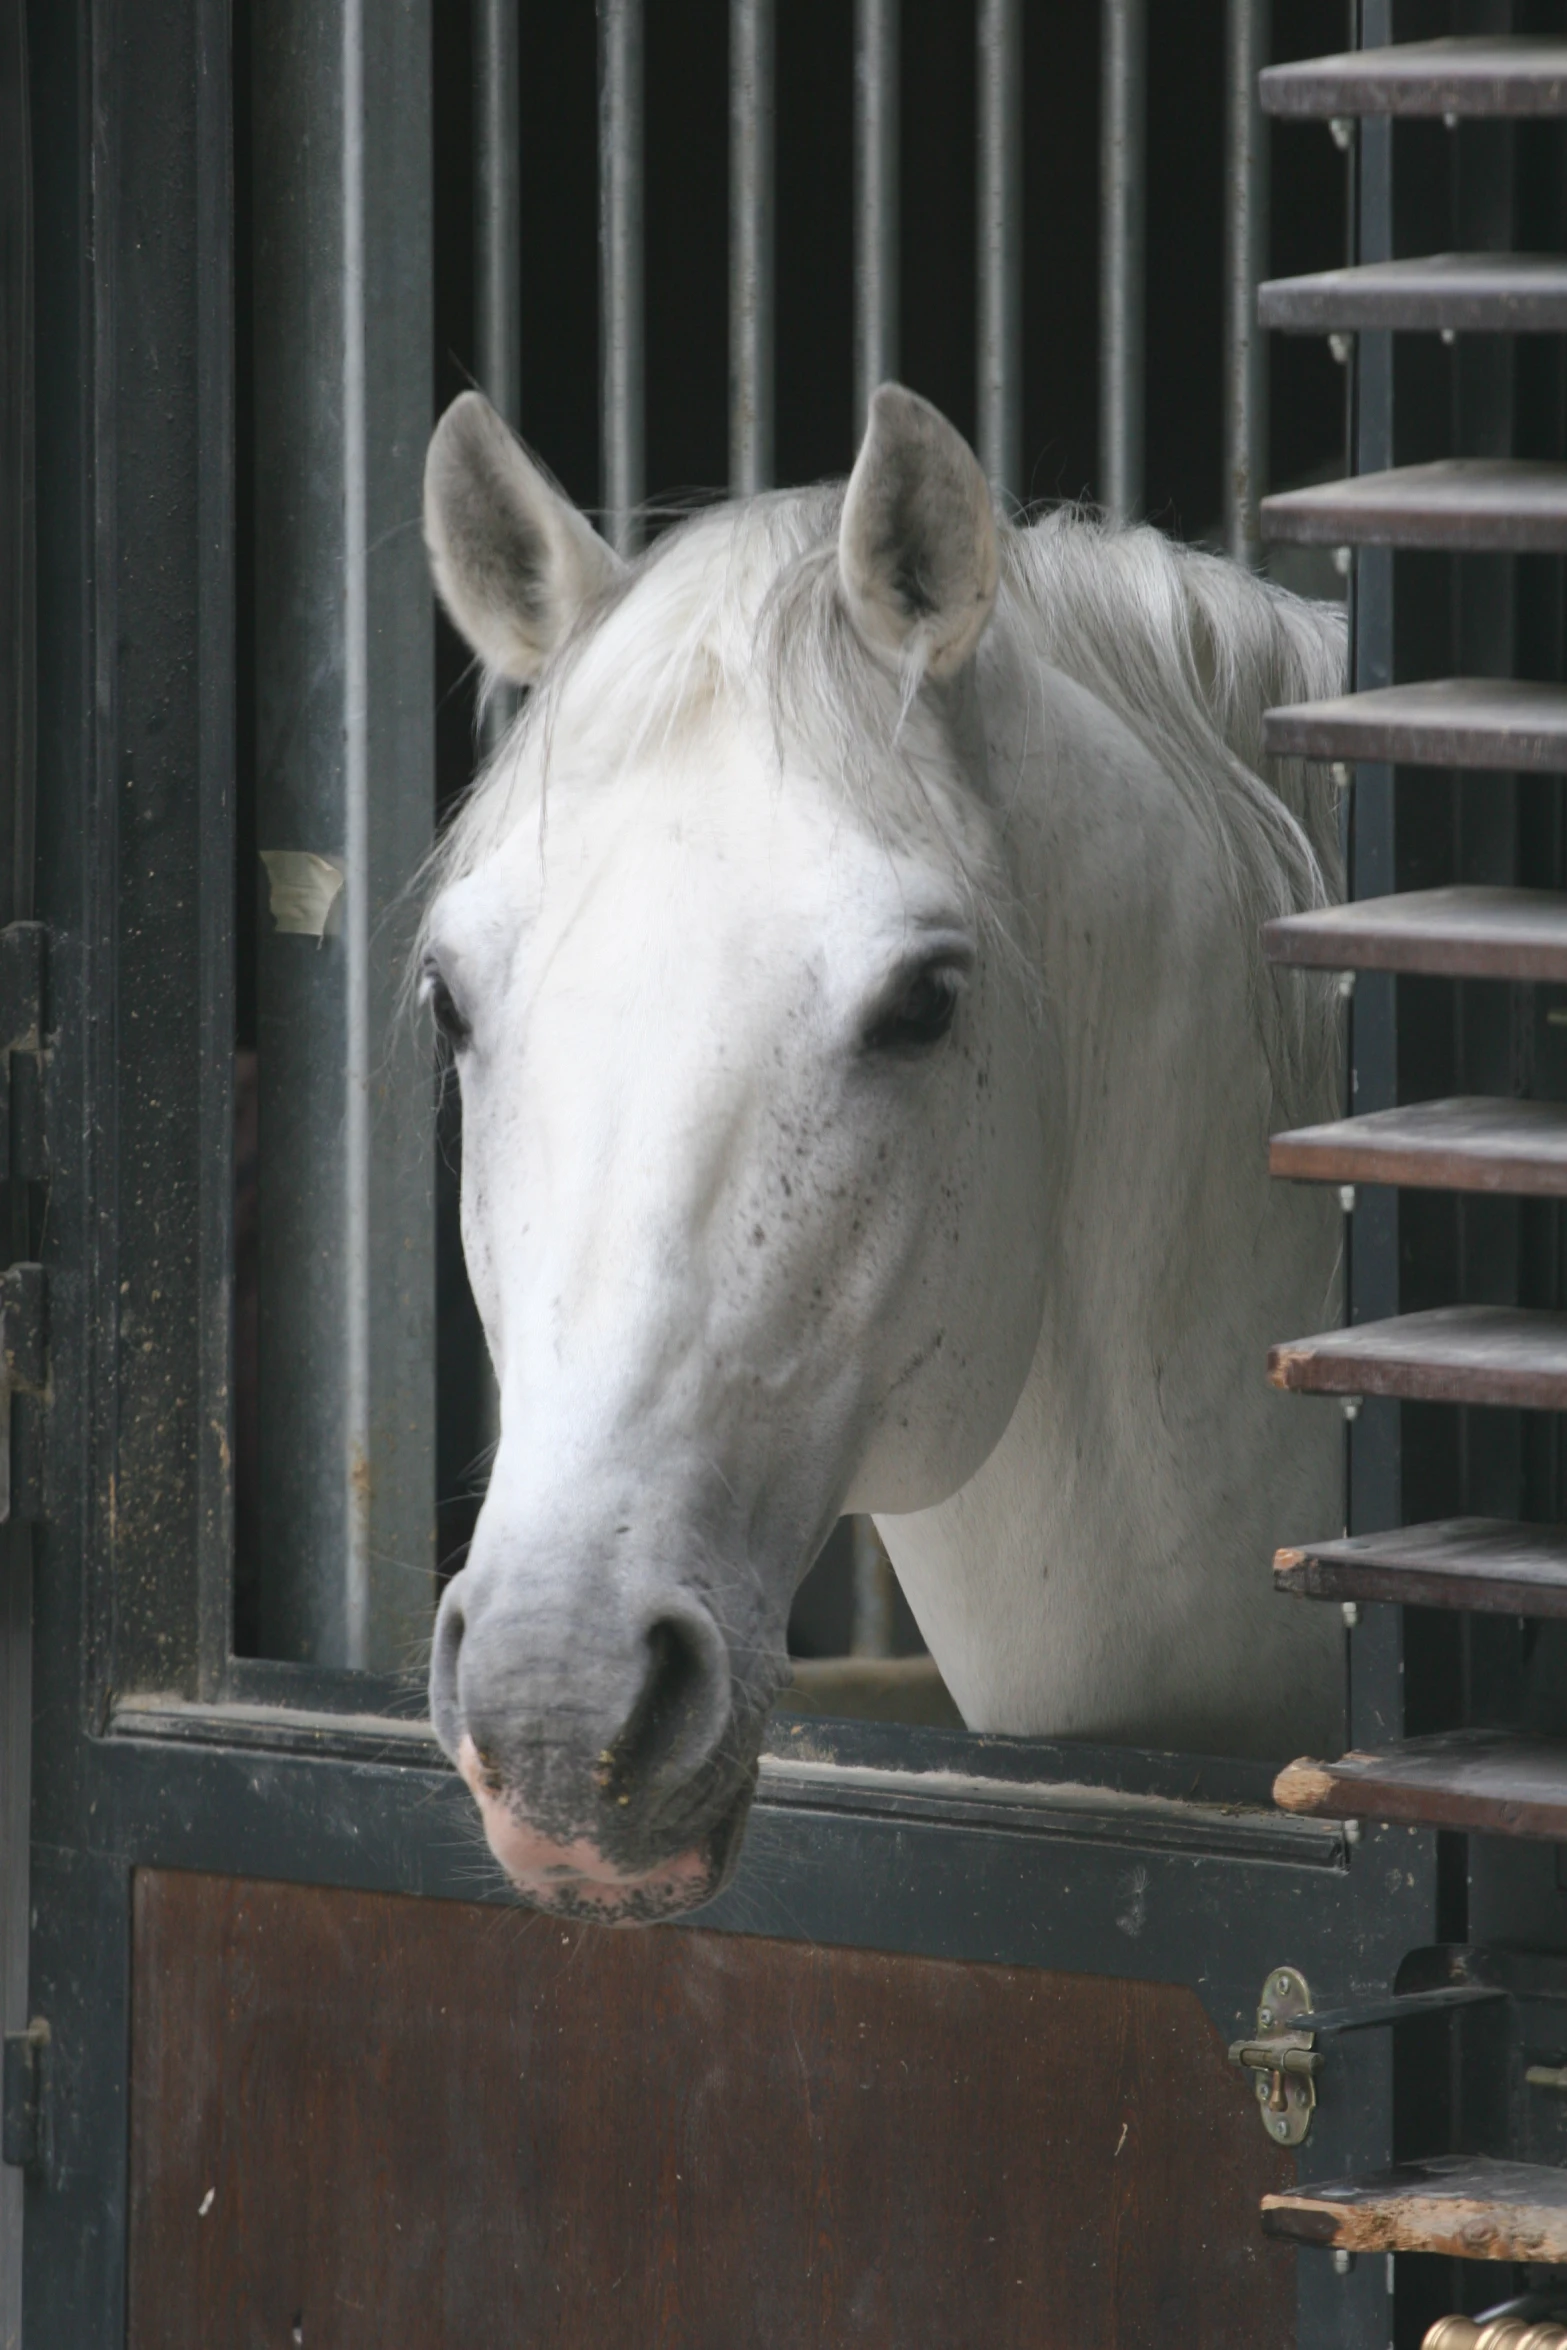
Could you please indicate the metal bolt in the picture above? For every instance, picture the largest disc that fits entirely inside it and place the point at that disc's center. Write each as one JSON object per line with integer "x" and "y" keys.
{"x": 1340, "y": 346}
{"x": 1450, "y": 122}
{"x": 1346, "y": 1198}
{"x": 1352, "y": 1831}
{"x": 1281, "y": 2128}
{"x": 1342, "y": 774}
{"x": 1343, "y": 561}
{"x": 1351, "y": 1615}
{"x": 1281, "y": 1984}
{"x": 1449, "y": 335}
{"x": 1346, "y": 984}
{"x": 1343, "y": 2262}
{"x": 1343, "y": 131}
{"x": 1351, "y": 1407}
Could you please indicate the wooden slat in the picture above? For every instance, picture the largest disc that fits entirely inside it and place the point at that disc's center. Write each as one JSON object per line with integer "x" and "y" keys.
{"x": 1470, "y": 933}
{"x": 1454, "y": 1354}
{"x": 1472, "y": 504}
{"x": 1470, "y": 1144}
{"x": 1468, "y": 293}
{"x": 1486, "y": 1782}
{"x": 1440, "y": 722}
{"x": 1511, "y": 75}
{"x": 1489, "y": 1565}
{"x": 1465, "y": 2206}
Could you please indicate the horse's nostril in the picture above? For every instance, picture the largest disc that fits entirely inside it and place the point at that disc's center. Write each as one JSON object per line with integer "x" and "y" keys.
{"x": 450, "y": 1625}
{"x": 669, "y": 1717}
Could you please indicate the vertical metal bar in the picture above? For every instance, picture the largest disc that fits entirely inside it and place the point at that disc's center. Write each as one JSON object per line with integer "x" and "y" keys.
{"x": 752, "y": 35}
{"x": 875, "y": 200}
{"x": 875, "y": 1591}
{"x": 497, "y": 239}
{"x": 345, "y": 804}
{"x": 497, "y": 75}
{"x": 1123, "y": 164}
{"x": 620, "y": 266}
{"x": 1000, "y": 388}
{"x": 1245, "y": 245}
{"x": 215, "y": 649}
{"x": 16, "y": 801}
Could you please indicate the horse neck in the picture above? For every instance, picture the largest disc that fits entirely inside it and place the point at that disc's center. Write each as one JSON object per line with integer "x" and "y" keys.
{"x": 1147, "y": 1470}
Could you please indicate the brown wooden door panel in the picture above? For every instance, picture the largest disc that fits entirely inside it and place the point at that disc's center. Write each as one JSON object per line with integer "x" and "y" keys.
{"x": 364, "y": 2122}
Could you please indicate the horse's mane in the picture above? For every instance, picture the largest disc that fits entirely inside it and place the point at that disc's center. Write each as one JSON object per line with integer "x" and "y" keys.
{"x": 1190, "y": 650}
{"x": 740, "y": 605}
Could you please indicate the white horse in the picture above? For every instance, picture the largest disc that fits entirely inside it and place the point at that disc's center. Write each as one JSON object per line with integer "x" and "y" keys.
{"x": 852, "y": 963}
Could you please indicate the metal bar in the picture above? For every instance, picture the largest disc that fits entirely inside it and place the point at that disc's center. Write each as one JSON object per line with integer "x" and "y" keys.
{"x": 17, "y": 737}
{"x": 499, "y": 250}
{"x": 1000, "y": 403}
{"x": 1245, "y": 246}
{"x": 1123, "y": 165}
{"x": 216, "y": 816}
{"x": 875, "y": 200}
{"x": 620, "y": 266}
{"x": 874, "y": 1589}
{"x": 497, "y": 237}
{"x": 345, "y": 794}
{"x": 497, "y": 70}
{"x": 752, "y": 35}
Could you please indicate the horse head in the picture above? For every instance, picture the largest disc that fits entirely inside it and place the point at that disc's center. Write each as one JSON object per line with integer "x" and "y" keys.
{"x": 750, "y": 1139}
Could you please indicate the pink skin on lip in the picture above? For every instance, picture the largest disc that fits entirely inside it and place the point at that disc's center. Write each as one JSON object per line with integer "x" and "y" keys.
{"x": 541, "y": 1868}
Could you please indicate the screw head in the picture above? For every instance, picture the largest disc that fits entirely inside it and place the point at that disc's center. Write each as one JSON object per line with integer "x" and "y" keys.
{"x": 1281, "y": 2128}
{"x": 1281, "y": 1984}
{"x": 1264, "y": 2015}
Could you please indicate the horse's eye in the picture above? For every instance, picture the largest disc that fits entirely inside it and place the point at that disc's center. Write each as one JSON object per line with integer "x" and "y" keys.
{"x": 920, "y": 1016}
{"x": 445, "y": 1011}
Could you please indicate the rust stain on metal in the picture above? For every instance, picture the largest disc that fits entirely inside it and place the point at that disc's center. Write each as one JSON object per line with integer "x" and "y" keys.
{"x": 359, "y": 1483}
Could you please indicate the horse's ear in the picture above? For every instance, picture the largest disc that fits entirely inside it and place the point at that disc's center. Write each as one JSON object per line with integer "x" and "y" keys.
{"x": 514, "y": 561}
{"x": 917, "y": 547}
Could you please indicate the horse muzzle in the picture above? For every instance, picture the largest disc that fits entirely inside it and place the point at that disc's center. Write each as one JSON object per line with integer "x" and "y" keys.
{"x": 579, "y": 1880}
{"x": 611, "y": 1774}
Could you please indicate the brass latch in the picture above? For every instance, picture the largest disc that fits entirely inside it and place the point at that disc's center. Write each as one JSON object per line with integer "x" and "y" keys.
{"x": 1286, "y": 2062}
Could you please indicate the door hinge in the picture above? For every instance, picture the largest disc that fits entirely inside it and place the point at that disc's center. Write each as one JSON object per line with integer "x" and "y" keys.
{"x": 24, "y": 1139}
{"x": 1283, "y": 2056}
{"x": 24, "y": 2114}
{"x": 24, "y": 1386}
